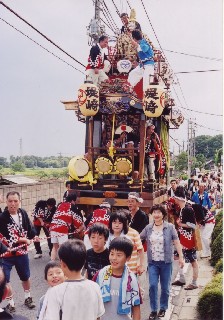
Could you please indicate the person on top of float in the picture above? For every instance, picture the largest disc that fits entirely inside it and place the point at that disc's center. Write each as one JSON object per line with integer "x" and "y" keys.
{"x": 127, "y": 21}
{"x": 95, "y": 68}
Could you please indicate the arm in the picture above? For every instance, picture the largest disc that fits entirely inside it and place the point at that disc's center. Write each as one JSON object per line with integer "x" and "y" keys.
{"x": 143, "y": 234}
{"x": 140, "y": 268}
{"x": 179, "y": 251}
{"x": 136, "y": 314}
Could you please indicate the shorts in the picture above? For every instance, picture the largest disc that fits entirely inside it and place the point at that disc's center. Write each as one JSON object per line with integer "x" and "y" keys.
{"x": 21, "y": 264}
{"x": 190, "y": 255}
{"x": 57, "y": 237}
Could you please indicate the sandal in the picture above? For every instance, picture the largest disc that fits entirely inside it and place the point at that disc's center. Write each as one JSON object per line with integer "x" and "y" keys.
{"x": 161, "y": 313}
{"x": 191, "y": 287}
{"x": 153, "y": 315}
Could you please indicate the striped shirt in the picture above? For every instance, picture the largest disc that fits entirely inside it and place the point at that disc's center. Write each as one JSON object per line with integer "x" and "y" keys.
{"x": 134, "y": 236}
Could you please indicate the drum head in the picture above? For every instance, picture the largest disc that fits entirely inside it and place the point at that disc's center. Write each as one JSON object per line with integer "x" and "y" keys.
{"x": 81, "y": 167}
{"x": 103, "y": 165}
{"x": 123, "y": 166}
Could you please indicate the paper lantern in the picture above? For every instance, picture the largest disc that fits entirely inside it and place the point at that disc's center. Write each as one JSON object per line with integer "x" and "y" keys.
{"x": 88, "y": 99}
{"x": 176, "y": 117}
{"x": 153, "y": 102}
{"x": 124, "y": 66}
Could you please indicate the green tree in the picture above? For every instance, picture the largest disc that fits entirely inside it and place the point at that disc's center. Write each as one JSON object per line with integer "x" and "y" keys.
{"x": 218, "y": 156}
{"x": 199, "y": 161}
{"x": 18, "y": 166}
{"x": 208, "y": 145}
{"x": 181, "y": 161}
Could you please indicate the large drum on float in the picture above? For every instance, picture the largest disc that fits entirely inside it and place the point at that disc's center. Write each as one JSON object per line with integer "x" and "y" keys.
{"x": 123, "y": 166}
{"x": 78, "y": 168}
{"x": 103, "y": 165}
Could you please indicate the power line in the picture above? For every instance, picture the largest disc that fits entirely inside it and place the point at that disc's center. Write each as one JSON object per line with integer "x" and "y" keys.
{"x": 200, "y": 125}
{"x": 198, "y": 71}
{"x": 211, "y": 114}
{"x": 193, "y": 55}
{"x": 40, "y": 45}
{"x": 30, "y": 25}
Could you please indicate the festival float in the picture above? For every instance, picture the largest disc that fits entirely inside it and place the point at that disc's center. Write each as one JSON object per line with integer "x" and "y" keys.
{"x": 116, "y": 117}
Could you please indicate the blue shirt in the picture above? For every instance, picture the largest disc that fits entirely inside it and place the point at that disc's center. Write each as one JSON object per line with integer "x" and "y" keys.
{"x": 145, "y": 53}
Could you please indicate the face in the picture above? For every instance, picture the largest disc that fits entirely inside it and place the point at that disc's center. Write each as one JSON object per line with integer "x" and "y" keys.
{"x": 13, "y": 203}
{"x": 125, "y": 20}
{"x": 117, "y": 261}
{"x": 117, "y": 227}
{"x": 55, "y": 276}
{"x": 97, "y": 241}
{"x": 132, "y": 204}
{"x": 201, "y": 188}
{"x": 104, "y": 43}
{"x": 173, "y": 185}
{"x": 157, "y": 216}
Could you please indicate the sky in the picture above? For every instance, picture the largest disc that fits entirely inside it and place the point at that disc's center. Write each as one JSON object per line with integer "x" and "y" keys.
{"x": 33, "y": 82}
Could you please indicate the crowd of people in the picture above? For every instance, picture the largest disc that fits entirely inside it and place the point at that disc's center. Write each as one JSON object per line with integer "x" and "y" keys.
{"x": 105, "y": 257}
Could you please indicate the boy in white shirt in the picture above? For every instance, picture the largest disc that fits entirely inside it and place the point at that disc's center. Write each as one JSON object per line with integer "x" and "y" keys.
{"x": 76, "y": 298}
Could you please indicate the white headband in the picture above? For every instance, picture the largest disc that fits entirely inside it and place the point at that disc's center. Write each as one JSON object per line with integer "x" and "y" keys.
{"x": 140, "y": 200}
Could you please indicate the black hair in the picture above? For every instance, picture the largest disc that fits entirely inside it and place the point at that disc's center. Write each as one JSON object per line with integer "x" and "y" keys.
{"x": 137, "y": 35}
{"x": 73, "y": 254}
{"x": 67, "y": 183}
{"x": 195, "y": 181}
{"x": 49, "y": 265}
{"x": 41, "y": 204}
{"x": 122, "y": 244}
{"x": 51, "y": 202}
{"x": 99, "y": 228}
{"x": 2, "y": 284}
{"x": 71, "y": 197}
{"x": 102, "y": 38}
{"x": 180, "y": 192}
{"x": 160, "y": 208}
{"x": 173, "y": 180}
{"x": 126, "y": 212}
{"x": 13, "y": 193}
{"x": 120, "y": 216}
{"x": 124, "y": 14}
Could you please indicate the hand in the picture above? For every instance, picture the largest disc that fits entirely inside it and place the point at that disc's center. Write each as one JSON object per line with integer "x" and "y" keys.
{"x": 36, "y": 239}
{"x": 28, "y": 242}
{"x": 140, "y": 270}
{"x": 181, "y": 263}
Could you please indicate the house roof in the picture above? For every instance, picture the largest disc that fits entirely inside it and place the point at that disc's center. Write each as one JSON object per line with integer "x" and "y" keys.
{"x": 17, "y": 179}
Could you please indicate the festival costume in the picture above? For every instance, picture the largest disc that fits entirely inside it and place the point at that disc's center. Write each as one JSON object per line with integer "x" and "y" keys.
{"x": 145, "y": 69}
{"x": 64, "y": 217}
{"x": 202, "y": 199}
{"x": 96, "y": 61}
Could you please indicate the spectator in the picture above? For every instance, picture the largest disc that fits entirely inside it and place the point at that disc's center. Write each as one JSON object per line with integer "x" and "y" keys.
{"x": 201, "y": 197}
{"x": 160, "y": 236}
{"x": 68, "y": 187}
{"x": 139, "y": 219}
{"x": 54, "y": 275}
{"x": 17, "y": 232}
{"x": 76, "y": 298}
{"x": 194, "y": 188}
{"x": 97, "y": 257}
{"x": 118, "y": 285}
{"x": 173, "y": 186}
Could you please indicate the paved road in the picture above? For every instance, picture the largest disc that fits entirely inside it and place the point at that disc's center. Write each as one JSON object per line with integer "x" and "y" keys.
{"x": 39, "y": 287}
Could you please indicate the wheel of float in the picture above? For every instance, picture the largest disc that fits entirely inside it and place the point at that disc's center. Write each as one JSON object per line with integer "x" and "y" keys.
{"x": 123, "y": 166}
{"x": 78, "y": 168}
{"x": 103, "y": 165}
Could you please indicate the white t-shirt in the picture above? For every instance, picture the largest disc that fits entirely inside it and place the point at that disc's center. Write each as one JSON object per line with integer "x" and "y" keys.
{"x": 78, "y": 299}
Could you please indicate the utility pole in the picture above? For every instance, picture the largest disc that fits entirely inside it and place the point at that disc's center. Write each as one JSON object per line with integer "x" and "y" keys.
{"x": 21, "y": 149}
{"x": 191, "y": 143}
{"x": 95, "y": 28}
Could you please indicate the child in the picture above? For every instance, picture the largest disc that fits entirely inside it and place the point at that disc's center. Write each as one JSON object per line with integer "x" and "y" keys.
{"x": 76, "y": 298}
{"x": 54, "y": 275}
{"x": 118, "y": 285}
{"x": 118, "y": 226}
{"x": 97, "y": 257}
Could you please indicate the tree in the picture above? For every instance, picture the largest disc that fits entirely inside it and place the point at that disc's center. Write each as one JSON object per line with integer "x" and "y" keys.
{"x": 18, "y": 166}
{"x": 181, "y": 162}
{"x": 218, "y": 156}
{"x": 199, "y": 161}
{"x": 3, "y": 161}
{"x": 208, "y": 145}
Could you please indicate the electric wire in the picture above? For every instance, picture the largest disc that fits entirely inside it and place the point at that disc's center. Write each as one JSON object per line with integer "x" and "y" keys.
{"x": 128, "y": 4}
{"x": 40, "y": 45}
{"x": 193, "y": 55}
{"x": 30, "y": 25}
{"x": 117, "y": 11}
{"x": 109, "y": 13}
{"x": 197, "y": 71}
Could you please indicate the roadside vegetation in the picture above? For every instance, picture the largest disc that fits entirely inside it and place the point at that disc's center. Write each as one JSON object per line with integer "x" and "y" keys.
{"x": 210, "y": 303}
